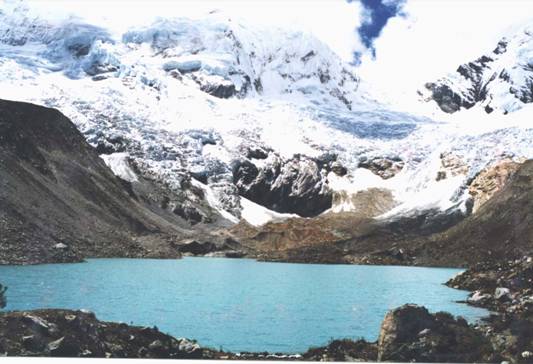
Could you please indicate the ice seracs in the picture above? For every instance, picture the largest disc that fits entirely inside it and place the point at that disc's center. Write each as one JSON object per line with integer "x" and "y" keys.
{"x": 195, "y": 99}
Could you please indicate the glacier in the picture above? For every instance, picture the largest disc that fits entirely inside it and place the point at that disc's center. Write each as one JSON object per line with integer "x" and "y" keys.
{"x": 191, "y": 97}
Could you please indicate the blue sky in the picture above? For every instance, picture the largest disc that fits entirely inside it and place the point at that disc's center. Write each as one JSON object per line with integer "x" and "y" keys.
{"x": 376, "y": 15}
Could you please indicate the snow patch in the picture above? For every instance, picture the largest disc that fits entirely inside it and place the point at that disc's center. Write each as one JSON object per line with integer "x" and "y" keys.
{"x": 258, "y": 215}
{"x": 118, "y": 163}
{"x": 213, "y": 201}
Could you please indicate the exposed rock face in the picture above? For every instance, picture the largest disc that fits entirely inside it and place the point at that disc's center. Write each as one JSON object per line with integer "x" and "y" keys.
{"x": 448, "y": 100}
{"x": 197, "y": 248}
{"x": 451, "y": 166}
{"x": 216, "y": 86}
{"x": 384, "y": 167}
{"x": 59, "y": 202}
{"x": 502, "y": 228}
{"x": 368, "y": 203}
{"x": 499, "y": 80}
{"x": 411, "y": 333}
{"x": 294, "y": 186}
{"x": 491, "y": 180}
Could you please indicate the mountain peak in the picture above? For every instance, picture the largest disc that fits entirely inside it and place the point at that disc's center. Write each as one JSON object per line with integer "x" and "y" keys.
{"x": 500, "y": 81}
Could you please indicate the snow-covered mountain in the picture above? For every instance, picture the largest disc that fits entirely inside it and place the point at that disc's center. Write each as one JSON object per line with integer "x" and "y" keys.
{"x": 254, "y": 115}
{"x": 500, "y": 81}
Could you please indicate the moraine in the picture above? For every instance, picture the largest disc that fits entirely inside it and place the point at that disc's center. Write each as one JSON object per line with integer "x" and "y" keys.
{"x": 237, "y": 304}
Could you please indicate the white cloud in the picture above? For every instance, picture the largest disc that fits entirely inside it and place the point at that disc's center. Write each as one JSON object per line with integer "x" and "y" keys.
{"x": 435, "y": 38}
{"x": 333, "y": 21}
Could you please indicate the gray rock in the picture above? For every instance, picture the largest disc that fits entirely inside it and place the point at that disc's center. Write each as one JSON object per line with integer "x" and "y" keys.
{"x": 502, "y": 293}
{"x": 478, "y": 296}
{"x": 411, "y": 333}
{"x": 32, "y": 343}
{"x": 63, "y": 347}
{"x": 37, "y": 323}
{"x": 188, "y": 346}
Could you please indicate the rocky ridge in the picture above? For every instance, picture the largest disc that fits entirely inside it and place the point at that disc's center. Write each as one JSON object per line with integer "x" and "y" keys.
{"x": 500, "y": 80}
{"x": 59, "y": 202}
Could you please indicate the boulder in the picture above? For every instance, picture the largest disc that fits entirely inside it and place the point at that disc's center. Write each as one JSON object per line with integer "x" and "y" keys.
{"x": 502, "y": 293}
{"x": 478, "y": 297}
{"x": 411, "y": 333}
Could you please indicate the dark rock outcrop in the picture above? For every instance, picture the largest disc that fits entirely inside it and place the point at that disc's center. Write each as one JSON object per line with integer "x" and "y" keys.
{"x": 216, "y": 86}
{"x": 411, "y": 333}
{"x": 448, "y": 100}
{"x": 221, "y": 90}
{"x": 196, "y": 248}
{"x": 293, "y": 186}
{"x": 491, "y": 81}
{"x": 384, "y": 167}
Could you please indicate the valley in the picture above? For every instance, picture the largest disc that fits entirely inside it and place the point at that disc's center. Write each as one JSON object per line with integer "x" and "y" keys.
{"x": 218, "y": 138}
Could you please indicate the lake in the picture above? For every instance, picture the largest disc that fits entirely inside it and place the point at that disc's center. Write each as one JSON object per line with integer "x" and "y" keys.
{"x": 237, "y": 304}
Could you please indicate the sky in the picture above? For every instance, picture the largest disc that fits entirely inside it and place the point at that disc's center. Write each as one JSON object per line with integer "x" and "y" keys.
{"x": 375, "y": 15}
{"x": 429, "y": 39}
{"x": 397, "y": 44}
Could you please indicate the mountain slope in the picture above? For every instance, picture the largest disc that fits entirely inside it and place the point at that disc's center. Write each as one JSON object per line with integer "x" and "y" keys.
{"x": 60, "y": 202}
{"x": 501, "y": 229}
{"x": 269, "y": 115}
{"x": 501, "y": 80}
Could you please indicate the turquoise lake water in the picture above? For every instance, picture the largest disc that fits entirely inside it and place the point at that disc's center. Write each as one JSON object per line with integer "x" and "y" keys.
{"x": 237, "y": 304}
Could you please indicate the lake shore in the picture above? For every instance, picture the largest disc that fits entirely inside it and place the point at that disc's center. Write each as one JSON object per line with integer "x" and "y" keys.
{"x": 504, "y": 288}
{"x": 67, "y": 333}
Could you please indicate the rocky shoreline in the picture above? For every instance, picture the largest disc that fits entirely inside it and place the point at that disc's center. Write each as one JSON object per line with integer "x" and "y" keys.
{"x": 505, "y": 288}
{"x": 407, "y": 333}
